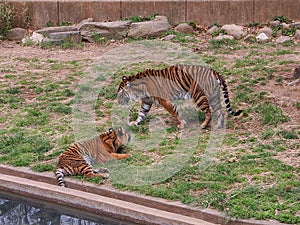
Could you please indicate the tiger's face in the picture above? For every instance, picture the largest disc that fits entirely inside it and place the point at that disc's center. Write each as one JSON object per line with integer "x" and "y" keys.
{"x": 128, "y": 91}
{"x": 115, "y": 139}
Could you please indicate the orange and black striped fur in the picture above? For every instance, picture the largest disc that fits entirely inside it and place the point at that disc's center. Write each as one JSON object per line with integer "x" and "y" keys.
{"x": 200, "y": 83}
{"x": 79, "y": 157}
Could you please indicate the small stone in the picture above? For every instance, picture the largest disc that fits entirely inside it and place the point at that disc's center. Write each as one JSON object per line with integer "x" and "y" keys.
{"x": 213, "y": 29}
{"x": 16, "y": 34}
{"x": 267, "y": 31}
{"x": 285, "y": 26}
{"x": 297, "y": 35}
{"x": 296, "y": 25}
{"x": 262, "y": 37}
{"x": 36, "y": 38}
{"x": 189, "y": 38}
{"x": 274, "y": 23}
{"x": 223, "y": 37}
{"x": 282, "y": 39}
{"x": 296, "y": 74}
{"x": 169, "y": 37}
{"x": 184, "y": 28}
{"x": 234, "y": 30}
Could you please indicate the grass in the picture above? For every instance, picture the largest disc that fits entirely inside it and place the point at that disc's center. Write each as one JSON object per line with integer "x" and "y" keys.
{"x": 251, "y": 176}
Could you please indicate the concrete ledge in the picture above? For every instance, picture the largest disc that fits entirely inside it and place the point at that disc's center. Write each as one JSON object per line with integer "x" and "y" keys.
{"x": 93, "y": 203}
{"x": 204, "y": 12}
{"x": 36, "y": 185}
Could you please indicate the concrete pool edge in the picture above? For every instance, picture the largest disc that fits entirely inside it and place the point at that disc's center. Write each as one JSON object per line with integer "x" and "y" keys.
{"x": 106, "y": 200}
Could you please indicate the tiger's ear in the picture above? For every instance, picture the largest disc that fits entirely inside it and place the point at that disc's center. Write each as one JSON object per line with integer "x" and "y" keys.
{"x": 110, "y": 130}
{"x": 124, "y": 78}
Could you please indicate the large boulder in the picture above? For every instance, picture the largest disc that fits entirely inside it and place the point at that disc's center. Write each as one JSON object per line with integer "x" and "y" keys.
{"x": 152, "y": 28}
{"x": 184, "y": 28}
{"x": 234, "y": 30}
{"x": 55, "y": 35}
{"x": 115, "y": 29}
{"x": 16, "y": 34}
{"x": 49, "y": 30}
{"x": 267, "y": 31}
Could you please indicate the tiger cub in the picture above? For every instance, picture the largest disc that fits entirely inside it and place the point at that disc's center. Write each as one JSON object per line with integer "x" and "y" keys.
{"x": 79, "y": 157}
{"x": 200, "y": 83}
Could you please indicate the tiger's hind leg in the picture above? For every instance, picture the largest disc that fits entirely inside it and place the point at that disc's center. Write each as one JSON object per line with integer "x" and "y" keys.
{"x": 60, "y": 174}
{"x": 89, "y": 172}
{"x": 202, "y": 104}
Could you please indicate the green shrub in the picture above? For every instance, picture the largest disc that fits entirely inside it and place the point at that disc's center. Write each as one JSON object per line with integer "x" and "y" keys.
{"x": 6, "y": 17}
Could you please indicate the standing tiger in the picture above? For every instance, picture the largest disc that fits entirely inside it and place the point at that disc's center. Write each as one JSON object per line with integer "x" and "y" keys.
{"x": 200, "y": 83}
{"x": 79, "y": 157}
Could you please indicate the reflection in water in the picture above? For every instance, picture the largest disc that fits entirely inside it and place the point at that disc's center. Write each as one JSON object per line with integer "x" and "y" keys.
{"x": 16, "y": 211}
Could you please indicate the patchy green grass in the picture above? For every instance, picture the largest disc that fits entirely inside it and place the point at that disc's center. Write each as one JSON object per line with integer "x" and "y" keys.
{"x": 250, "y": 176}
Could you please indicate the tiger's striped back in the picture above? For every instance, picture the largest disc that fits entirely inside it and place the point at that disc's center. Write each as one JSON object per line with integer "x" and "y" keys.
{"x": 79, "y": 157}
{"x": 200, "y": 83}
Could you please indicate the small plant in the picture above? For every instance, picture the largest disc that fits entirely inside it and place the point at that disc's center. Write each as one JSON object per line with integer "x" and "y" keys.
{"x": 135, "y": 19}
{"x": 281, "y": 19}
{"x": 42, "y": 167}
{"x": 6, "y": 17}
{"x": 218, "y": 32}
{"x": 99, "y": 39}
{"x": 297, "y": 105}
{"x": 288, "y": 134}
{"x": 271, "y": 114}
{"x": 221, "y": 43}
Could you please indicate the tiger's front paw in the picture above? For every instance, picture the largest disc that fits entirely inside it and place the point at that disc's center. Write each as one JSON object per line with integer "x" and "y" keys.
{"x": 133, "y": 123}
{"x": 102, "y": 170}
{"x": 181, "y": 124}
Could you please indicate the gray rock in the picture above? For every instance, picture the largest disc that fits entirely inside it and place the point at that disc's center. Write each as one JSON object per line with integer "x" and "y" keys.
{"x": 84, "y": 21}
{"x": 267, "y": 31}
{"x": 296, "y": 25}
{"x": 184, "y": 28}
{"x": 234, "y": 30}
{"x": 48, "y": 30}
{"x": 73, "y": 36}
{"x": 115, "y": 29}
{"x": 213, "y": 29}
{"x": 296, "y": 74}
{"x": 50, "y": 41}
{"x": 297, "y": 35}
{"x": 282, "y": 39}
{"x": 35, "y": 38}
{"x": 16, "y": 34}
{"x": 189, "y": 38}
{"x": 153, "y": 28}
{"x": 274, "y": 23}
{"x": 223, "y": 37}
{"x": 169, "y": 37}
{"x": 285, "y": 26}
{"x": 262, "y": 37}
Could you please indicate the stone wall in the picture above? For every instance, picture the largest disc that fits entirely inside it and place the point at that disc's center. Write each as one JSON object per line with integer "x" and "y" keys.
{"x": 204, "y": 12}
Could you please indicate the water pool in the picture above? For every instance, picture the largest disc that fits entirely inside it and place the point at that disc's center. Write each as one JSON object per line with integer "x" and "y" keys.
{"x": 17, "y": 210}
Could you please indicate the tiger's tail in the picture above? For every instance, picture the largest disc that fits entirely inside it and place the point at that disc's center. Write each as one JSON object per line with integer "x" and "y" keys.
{"x": 226, "y": 98}
{"x": 60, "y": 174}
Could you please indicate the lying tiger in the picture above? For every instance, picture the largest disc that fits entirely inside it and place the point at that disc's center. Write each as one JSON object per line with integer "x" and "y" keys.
{"x": 200, "y": 83}
{"x": 79, "y": 157}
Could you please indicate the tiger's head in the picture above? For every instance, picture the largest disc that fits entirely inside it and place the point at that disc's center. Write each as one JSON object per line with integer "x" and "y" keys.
{"x": 115, "y": 139}
{"x": 130, "y": 89}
